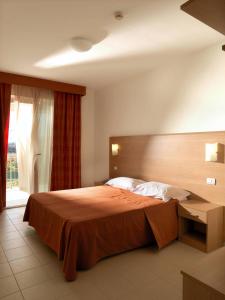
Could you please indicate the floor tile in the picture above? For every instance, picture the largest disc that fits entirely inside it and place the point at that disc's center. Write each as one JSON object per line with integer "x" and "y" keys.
{"x": 23, "y": 264}
{"x": 14, "y": 243}
{"x": 158, "y": 290}
{"x": 82, "y": 290}
{"x": 110, "y": 284}
{"x": 45, "y": 255}
{"x": 16, "y": 296}
{"x": 54, "y": 270}
{"x": 7, "y": 229}
{"x": 17, "y": 253}
{"x": 3, "y": 258}
{"x": 77, "y": 297}
{"x": 5, "y": 221}
{"x": 1, "y": 251}
{"x": 33, "y": 240}
{"x": 21, "y": 226}
{"x": 5, "y": 270}
{"x": 18, "y": 221}
{"x": 17, "y": 210}
{"x": 27, "y": 232}
{"x": 31, "y": 277}
{"x": 4, "y": 236}
{"x": 43, "y": 291}
{"x": 16, "y": 216}
{"x": 140, "y": 276}
{"x": 8, "y": 286}
{"x": 61, "y": 287}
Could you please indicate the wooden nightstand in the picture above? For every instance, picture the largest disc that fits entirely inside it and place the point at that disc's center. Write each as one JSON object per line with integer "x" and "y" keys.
{"x": 201, "y": 224}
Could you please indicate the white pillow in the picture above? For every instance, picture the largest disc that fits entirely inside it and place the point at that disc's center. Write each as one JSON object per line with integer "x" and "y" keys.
{"x": 161, "y": 190}
{"x": 125, "y": 183}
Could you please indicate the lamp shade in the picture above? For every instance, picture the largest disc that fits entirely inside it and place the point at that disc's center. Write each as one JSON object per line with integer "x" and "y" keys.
{"x": 115, "y": 149}
{"x": 214, "y": 152}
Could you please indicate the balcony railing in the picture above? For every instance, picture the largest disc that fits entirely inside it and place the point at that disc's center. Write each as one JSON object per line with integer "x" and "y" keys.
{"x": 12, "y": 171}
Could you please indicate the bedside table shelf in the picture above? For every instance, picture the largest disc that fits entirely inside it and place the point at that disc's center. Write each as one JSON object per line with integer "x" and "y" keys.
{"x": 201, "y": 224}
{"x": 195, "y": 239}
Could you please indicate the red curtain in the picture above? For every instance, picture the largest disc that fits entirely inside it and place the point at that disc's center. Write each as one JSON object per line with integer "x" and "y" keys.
{"x": 5, "y": 95}
{"x": 66, "y": 160}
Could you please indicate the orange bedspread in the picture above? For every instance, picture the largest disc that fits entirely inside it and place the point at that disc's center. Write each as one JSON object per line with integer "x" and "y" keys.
{"x": 85, "y": 225}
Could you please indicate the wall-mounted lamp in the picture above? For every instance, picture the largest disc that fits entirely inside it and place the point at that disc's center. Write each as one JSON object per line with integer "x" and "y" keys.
{"x": 115, "y": 149}
{"x": 214, "y": 152}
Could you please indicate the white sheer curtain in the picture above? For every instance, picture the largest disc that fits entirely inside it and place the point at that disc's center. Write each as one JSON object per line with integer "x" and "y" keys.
{"x": 34, "y": 109}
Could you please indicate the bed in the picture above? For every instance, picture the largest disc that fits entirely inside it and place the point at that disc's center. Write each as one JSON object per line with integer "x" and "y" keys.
{"x": 85, "y": 225}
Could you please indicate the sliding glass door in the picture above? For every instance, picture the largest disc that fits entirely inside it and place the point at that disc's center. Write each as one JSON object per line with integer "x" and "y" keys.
{"x": 30, "y": 143}
{"x": 15, "y": 194}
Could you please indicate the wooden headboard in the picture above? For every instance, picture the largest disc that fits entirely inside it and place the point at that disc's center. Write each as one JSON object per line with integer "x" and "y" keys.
{"x": 178, "y": 159}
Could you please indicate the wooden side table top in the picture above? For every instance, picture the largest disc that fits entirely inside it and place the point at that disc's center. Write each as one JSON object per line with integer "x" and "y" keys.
{"x": 203, "y": 206}
{"x": 210, "y": 270}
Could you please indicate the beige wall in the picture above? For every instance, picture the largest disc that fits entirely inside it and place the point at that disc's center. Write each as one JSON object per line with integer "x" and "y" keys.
{"x": 87, "y": 142}
{"x": 186, "y": 95}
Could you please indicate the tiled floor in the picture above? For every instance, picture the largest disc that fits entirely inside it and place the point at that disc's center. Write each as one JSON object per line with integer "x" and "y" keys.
{"x": 31, "y": 271}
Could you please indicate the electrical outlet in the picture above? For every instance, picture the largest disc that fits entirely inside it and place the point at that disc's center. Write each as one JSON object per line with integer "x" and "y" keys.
{"x": 211, "y": 181}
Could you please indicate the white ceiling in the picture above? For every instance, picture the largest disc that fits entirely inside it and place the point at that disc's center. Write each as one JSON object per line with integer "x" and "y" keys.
{"x": 32, "y": 31}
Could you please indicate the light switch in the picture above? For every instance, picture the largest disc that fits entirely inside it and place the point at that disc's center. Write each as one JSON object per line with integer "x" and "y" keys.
{"x": 211, "y": 181}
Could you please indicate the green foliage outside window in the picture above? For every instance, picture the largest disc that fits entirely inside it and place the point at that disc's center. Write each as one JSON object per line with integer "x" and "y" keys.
{"x": 12, "y": 172}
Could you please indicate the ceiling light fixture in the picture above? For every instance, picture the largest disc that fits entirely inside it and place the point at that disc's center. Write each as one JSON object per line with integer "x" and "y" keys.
{"x": 81, "y": 44}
